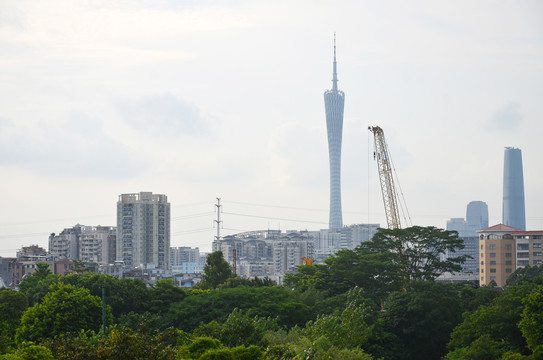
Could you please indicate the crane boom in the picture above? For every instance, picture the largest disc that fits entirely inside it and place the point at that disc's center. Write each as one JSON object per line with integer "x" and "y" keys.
{"x": 386, "y": 179}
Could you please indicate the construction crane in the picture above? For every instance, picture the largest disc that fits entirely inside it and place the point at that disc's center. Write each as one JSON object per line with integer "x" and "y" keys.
{"x": 384, "y": 167}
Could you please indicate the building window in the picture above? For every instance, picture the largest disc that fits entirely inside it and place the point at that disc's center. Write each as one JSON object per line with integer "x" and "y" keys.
{"x": 523, "y": 254}
{"x": 482, "y": 255}
{"x": 537, "y": 253}
{"x": 482, "y": 262}
{"x": 492, "y": 254}
{"x": 507, "y": 254}
{"x": 482, "y": 278}
{"x": 537, "y": 262}
{"x": 523, "y": 246}
{"x": 537, "y": 245}
{"x": 492, "y": 246}
{"x": 508, "y": 247}
{"x": 508, "y": 271}
{"x": 492, "y": 270}
{"x": 523, "y": 262}
{"x": 482, "y": 271}
{"x": 508, "y": 262}
{"x": 492, "y": 278}
{"x": 492, "y": 262}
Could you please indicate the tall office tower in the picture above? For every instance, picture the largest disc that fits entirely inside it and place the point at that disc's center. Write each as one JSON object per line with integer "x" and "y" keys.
{"x": 476, "y": 217}
{"x": 513, "y": 189}
{"x": 143, "y": 230}
{"x": 334, "y": 101}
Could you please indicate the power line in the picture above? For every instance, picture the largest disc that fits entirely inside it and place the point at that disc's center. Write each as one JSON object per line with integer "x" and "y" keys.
{"x": 289, "y": 207}
{"x": 275, "y": 218}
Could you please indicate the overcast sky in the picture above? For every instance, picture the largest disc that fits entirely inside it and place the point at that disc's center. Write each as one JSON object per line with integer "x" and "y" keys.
{"x": 206, "y": 99}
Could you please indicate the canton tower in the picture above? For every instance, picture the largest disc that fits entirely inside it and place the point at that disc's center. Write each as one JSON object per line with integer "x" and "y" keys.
{"x": 334, "y": 101}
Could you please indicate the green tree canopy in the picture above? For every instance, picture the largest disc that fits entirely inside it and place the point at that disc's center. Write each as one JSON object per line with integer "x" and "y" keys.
{"x": 422, "y": 318}
{"x": 417, "y": 250}
{"x": 216, "y": 271}
{"x": 531, "y": 324}
{"x": 65, "y": 308}
{"x": 12, "y": 306}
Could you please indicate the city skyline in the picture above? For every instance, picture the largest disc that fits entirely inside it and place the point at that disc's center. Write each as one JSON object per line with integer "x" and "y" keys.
{"x": 224, "y": 99}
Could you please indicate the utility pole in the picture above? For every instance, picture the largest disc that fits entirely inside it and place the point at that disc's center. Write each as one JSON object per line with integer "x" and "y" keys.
{"x": 104, "y": 310}
{"x": 234, "y": 253}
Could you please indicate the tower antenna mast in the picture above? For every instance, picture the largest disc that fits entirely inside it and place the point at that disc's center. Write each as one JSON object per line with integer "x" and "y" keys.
{"x": 218, "y": 221}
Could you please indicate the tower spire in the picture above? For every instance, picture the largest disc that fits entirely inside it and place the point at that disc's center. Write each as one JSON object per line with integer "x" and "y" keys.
{"x": 334, "y": 78}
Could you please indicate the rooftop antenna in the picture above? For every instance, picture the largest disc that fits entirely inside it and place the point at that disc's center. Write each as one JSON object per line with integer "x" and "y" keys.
{"x": 334, "y": 78}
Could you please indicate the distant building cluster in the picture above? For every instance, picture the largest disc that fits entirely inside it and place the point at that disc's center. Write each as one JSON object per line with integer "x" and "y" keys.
{"x": 497, "y": 251}
{"x": 273, "y": 253}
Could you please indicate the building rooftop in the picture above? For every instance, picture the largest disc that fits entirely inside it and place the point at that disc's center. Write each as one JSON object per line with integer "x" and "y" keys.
{"x": 500, "y": 227}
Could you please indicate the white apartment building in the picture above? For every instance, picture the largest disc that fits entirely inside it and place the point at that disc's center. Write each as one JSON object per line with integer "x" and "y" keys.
{"x": 90, "y": 244}
{"x": 143, "y": 230}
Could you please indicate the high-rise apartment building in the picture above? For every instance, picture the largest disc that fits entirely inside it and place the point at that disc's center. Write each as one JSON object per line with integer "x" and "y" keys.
{"x": 334, "y": 101}
{"x": 143, "y": 230}
{"x": 97, "y": 244}
{"x": 513, "y": 189}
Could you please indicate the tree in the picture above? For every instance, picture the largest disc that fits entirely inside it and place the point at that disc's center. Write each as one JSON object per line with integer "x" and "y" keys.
{"x": 12, "y": 306}
{"x": 64, "y": 309}
{"x": 42, "y": 270}
{"x": 422, "y": 318}
{"x": 29, "y": 351}
{"x": 36, "y": 286}
{"x": 216, "y": 271}
{"x": 532, "y": 318}
{"x": 239, "y": 329}
{"x": 417, "y": 250}
{"x": 123, "y": 295}
{"x": 498, "y": 321}
{"x": 383, "y": 264}
{"x": 164, "y": 293}
{"x": 526, "y": 273}
{"x": 204, "y": 306}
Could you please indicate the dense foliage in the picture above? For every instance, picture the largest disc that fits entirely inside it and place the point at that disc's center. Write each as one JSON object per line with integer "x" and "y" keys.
{"x": 379, "y": 300}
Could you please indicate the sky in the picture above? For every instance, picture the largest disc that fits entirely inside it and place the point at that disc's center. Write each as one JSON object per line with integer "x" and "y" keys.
{"x": 201, "y": 100}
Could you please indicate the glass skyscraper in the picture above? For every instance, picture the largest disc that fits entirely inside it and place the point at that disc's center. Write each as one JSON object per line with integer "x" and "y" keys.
{"x": 513, "y": 189}
{"x": 334, "y": 101}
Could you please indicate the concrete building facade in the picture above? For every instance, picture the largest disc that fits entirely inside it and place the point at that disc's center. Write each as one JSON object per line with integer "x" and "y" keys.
{"x": 90, "y": 244}
{"x": 497, "y": 254}
{"x": 270, "y": 253}
{"x": 504, "y": 249}
{"x": 143, "y": 230}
